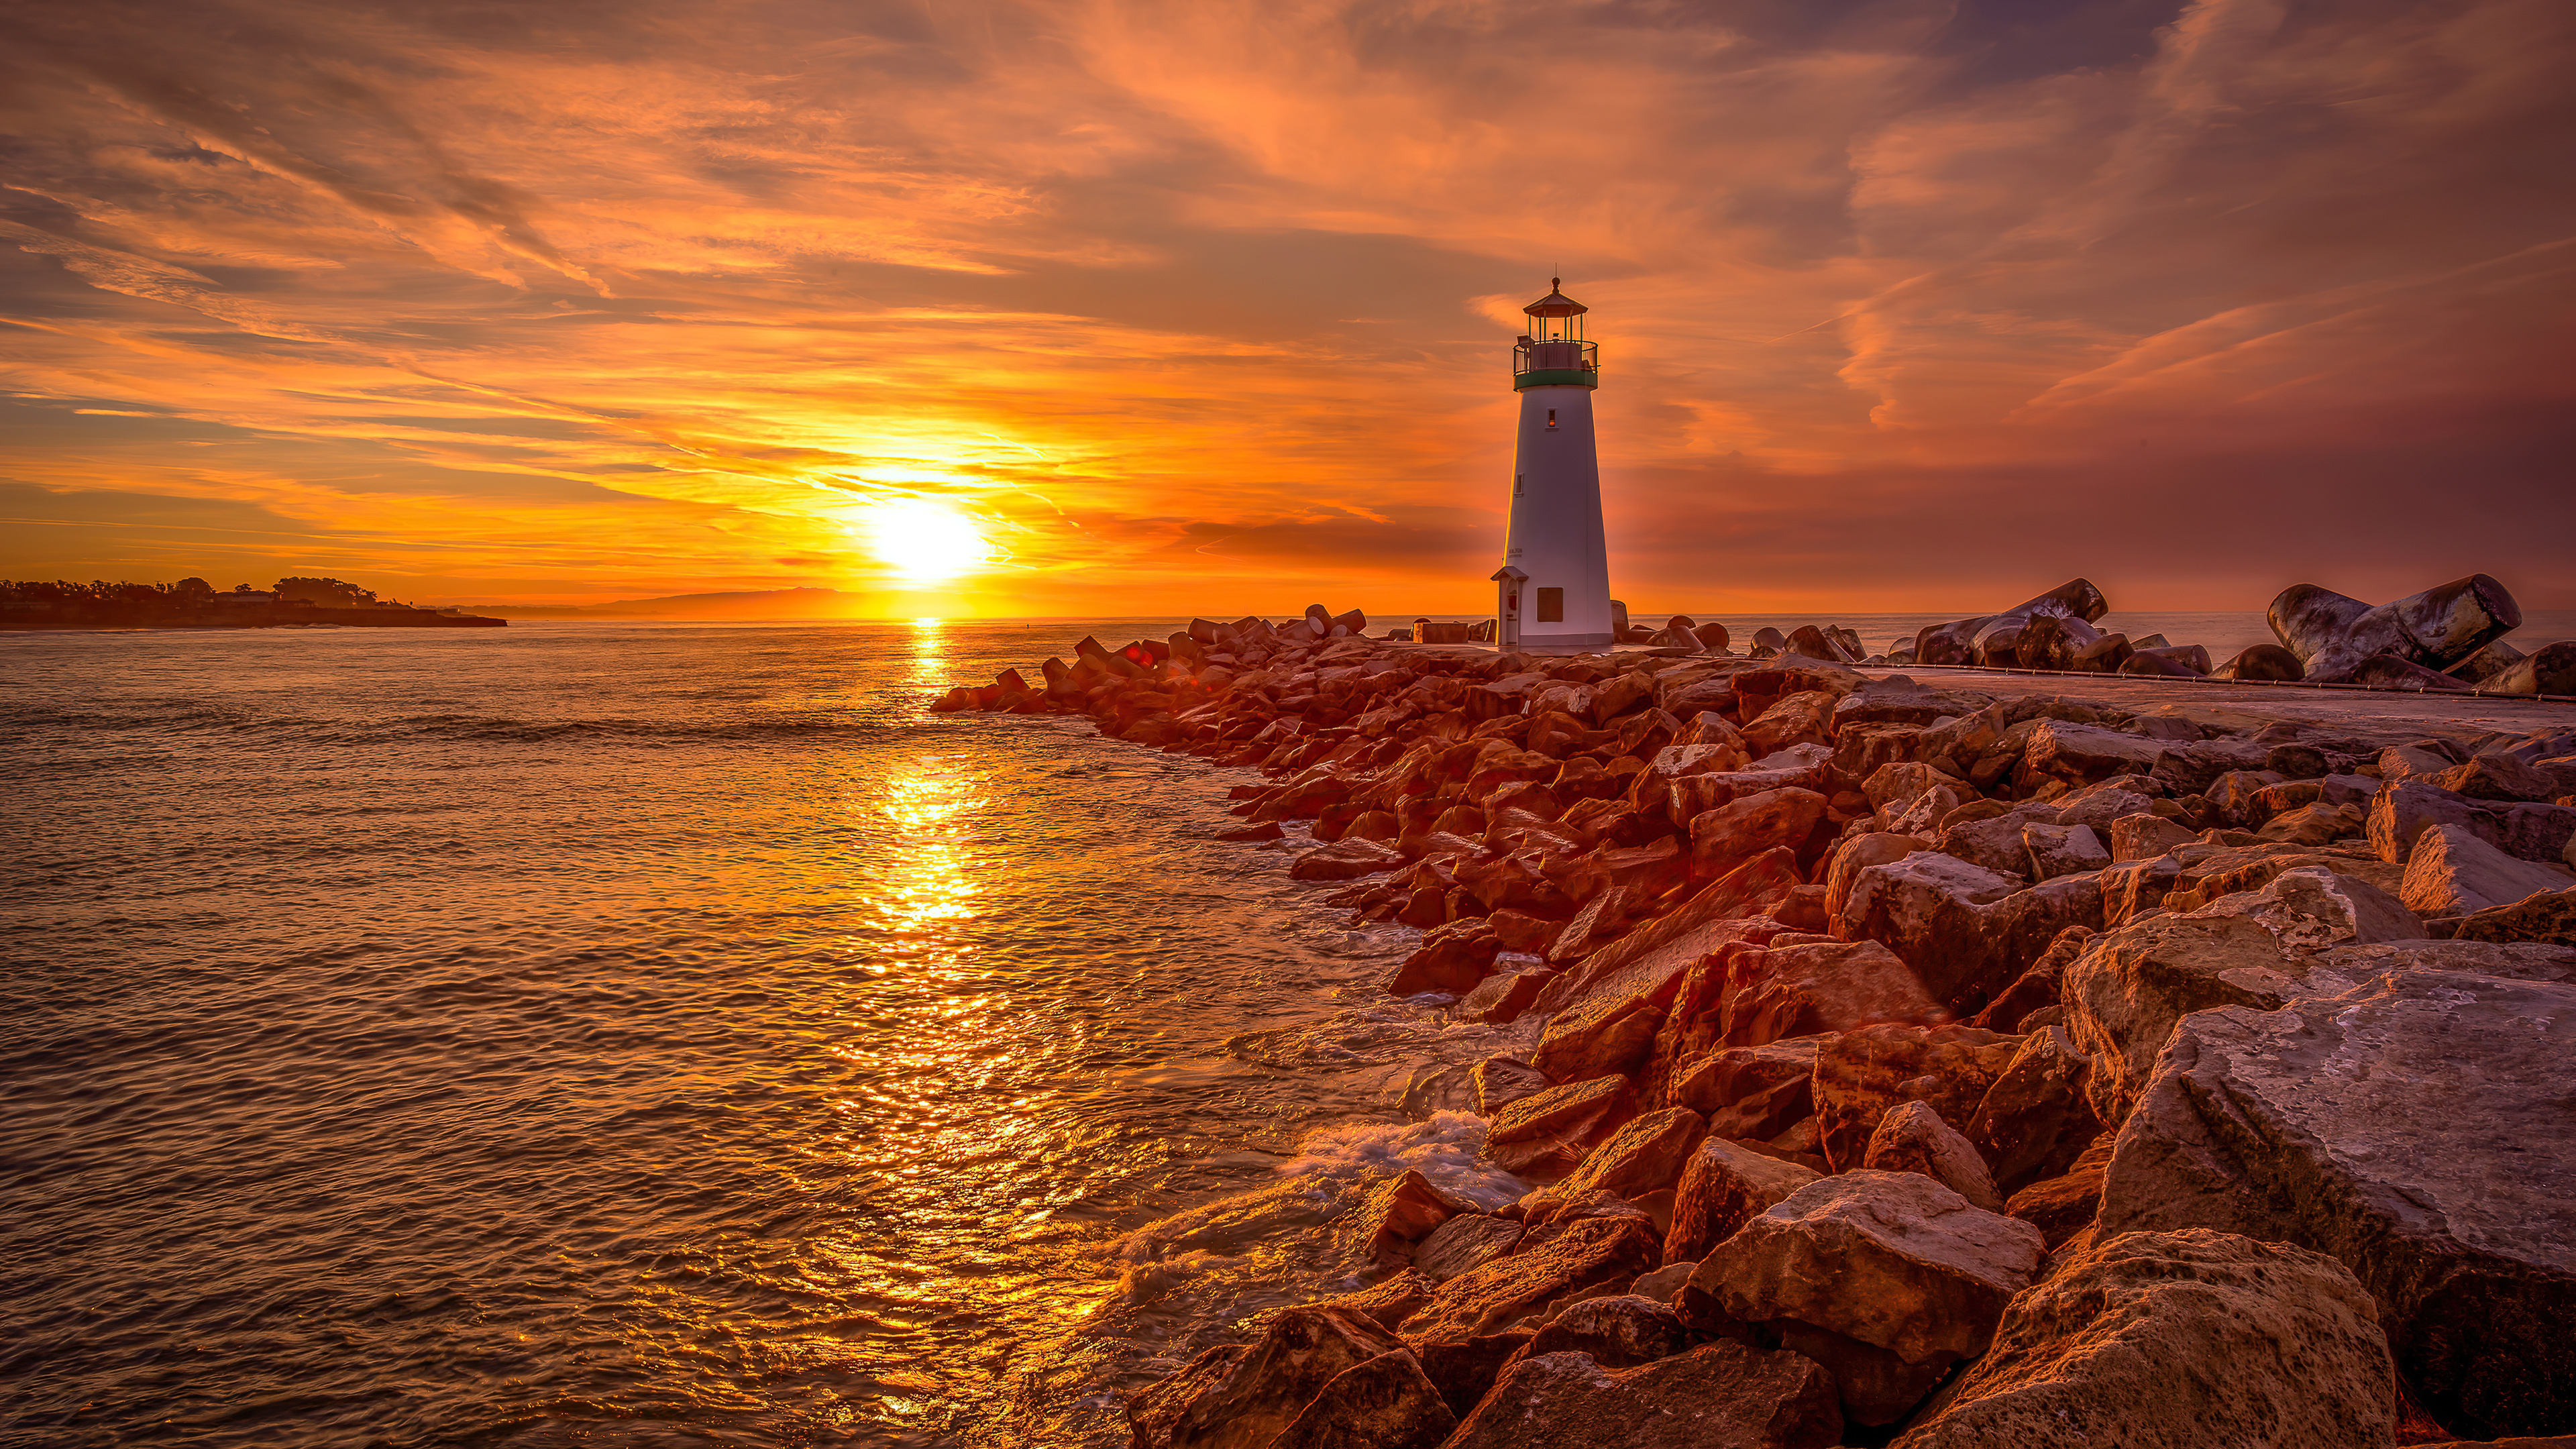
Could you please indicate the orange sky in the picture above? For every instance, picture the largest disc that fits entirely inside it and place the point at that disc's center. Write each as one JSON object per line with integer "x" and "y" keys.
{"x": 1206, "y": 306}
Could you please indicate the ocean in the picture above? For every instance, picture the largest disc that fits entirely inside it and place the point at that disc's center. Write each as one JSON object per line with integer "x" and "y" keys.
{"x": 656, "y": 1034}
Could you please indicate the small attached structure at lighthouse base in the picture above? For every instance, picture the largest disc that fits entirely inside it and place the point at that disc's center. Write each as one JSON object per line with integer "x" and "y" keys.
{"x": 1552, "y": 594}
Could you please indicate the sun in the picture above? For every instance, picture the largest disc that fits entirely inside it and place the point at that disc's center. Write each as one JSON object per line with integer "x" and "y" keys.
{"x": 922, "y": 539}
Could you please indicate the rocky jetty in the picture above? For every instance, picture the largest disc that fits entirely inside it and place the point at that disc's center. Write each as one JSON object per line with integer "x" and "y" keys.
{"x": 1895, "y": 1061}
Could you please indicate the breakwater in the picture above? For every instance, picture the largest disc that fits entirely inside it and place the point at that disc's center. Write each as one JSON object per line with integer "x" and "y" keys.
{"x": 1914, "y": 1060}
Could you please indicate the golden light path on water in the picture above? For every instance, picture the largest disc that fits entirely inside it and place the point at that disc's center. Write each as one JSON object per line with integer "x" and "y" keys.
{"x": 657, "y": 1035}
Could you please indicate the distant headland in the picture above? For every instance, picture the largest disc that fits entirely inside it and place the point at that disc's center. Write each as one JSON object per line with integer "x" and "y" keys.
{"x": 195, "y": 604}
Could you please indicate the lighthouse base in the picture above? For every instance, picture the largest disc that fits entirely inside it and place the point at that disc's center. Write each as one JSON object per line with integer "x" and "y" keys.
{"x": 1561, "y": 644}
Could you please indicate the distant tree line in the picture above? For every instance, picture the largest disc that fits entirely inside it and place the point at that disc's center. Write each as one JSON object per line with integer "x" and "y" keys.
{"x": 315, "y": 593}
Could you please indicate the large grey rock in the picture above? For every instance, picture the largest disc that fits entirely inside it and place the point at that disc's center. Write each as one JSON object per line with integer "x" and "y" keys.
{"x": 1911, "y": 1137}
{"x": 2313, "y": 908}
{"x": 2178, "y": 1341}
{"x": 2413, "y": 1128}
{"x": 1719, "y": 1394}
{"x": 2334, "y": 636}
{"x": 2451, "y": 872}
{"x": 1726, "y": 1186}
{"x": 1888, "y": 1278}
{"x": 2125, "y": 994}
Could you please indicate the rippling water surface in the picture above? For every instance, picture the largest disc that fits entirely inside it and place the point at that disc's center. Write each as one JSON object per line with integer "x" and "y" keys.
{"x": 582, "y": 1034}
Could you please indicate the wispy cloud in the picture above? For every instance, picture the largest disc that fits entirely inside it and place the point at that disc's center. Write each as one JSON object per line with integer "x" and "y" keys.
{"x": 1204, "y": 305}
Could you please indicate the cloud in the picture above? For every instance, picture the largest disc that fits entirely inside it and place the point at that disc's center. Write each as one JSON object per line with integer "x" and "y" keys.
{"x": 1204, "y": 306}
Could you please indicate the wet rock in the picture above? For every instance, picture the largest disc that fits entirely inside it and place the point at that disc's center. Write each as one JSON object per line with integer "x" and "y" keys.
{"x": 1462, "y": 1243}
{"x": 2451, "y": 872}
{"x": 1384, "y": 1403}
{"x": 1890, "y": 1261}
{"x": 1401, "y": 1214}
{"x": 1543, "y": 1137}
{"x": 1862, "y": 1074}
{"x": 1655, "y": 954}
{"x": 2548, "y": 918}
{"x": 1606, "y": 1035}
{"x": 1507, "y": 994}
{"x": 2064, "y": 1205}
{"x": 1747, "y": 1091}
{"x": 2186, "y": 1338}
{"x": 1453, "y": 958}
{"x": 1390, "y": 1302}
{"x": 1346, "y": 860}
{"x": 1725, "y": 1186}
{"x": 1497, "y": 1294}
{"x": 1911, "y": 1137}
{"x": 2035, "y": 1120}
{"x": 2404, "y": 1127}
{"x": 1245, "y": 1396}
{"x": 1501, "y": 1081}
{"x": 1647, "y": 1154}
{"x": 1616, "y": 1332}
{"x": 1717, "y": 1394}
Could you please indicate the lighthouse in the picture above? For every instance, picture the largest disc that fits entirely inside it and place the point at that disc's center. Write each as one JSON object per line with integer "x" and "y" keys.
{"x": 1552, "y": 594}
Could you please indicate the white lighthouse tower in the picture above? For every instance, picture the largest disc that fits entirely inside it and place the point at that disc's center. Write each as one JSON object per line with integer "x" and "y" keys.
{"x": 1552, "y": 594}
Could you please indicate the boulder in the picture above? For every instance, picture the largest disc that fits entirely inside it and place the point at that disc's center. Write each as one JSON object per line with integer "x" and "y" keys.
{"x": 1815, "y": 987}
{"x": 2499, "y": 777}
{"x": 2035, "y": 1120}
{"x": 2065, "y": 1205}
{"x": 1617, "y": 1332}
{"x": 1501, "y": 1081}
{"x": 2550, "y": 669}
{"x": 2451, "y": 872}
{"x": 1911, "y": 1137}
{"x": 1453, "y": 958}
{"x": 2079, "y": 754}
{"x": 1389, "y": 1301}
{"x": 2187, "y": 1339}
{"x": 1401, "y": 1214}
{"x": 2549, "y": 918}
{"x": 1244, "y": 1396}
{"x": 1507, "y": 994}
{"x": 1653, "y": 955}
{"x": 1717, "y": 1394}
{"x": 1486, "y": 1299}
{"x": 1953, "y": 643}
{"x": 1385, "y": 1403}
{"x": 1892, "y": 1263}
{"x": 1609, "y": 1034}
{"x": 2054, "y": 850}
{"x": 1858, "y": 853}
{"x": 2267, "y": 662}
{"x": 1749, "y": 825}
{"x": 1747, "y": 1091}
{"x": 2334, "y": 636}
{"x": 1546, "y": 1135}
{"x": 2312, "y": 908}
{"x": 1725, "y": 1186}
{"x": 1862, "y": 1074}
{"x": 1346, "y": 860}
{"x": 1462, "y": 1243}
{"x": 2124, "y": 995}
{"x": 2409, "y": 1128}
{"x": 1966, "y": 931}
{"x": 1647, "y": 1154}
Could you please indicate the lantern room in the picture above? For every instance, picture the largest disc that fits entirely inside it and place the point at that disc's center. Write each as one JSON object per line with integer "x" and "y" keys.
{"x": 1553, "y": 353}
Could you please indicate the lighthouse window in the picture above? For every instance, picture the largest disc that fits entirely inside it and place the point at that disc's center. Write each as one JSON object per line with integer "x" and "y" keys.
{"x": 1551, "y": 417}
{"x": 1551, "y": 606}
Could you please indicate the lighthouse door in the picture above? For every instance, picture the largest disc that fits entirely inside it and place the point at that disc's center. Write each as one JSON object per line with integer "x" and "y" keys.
{"x": 1508, "y": 610}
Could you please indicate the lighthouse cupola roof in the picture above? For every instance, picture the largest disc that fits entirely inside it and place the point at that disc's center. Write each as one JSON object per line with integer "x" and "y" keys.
{"x": 1556, "y": 303}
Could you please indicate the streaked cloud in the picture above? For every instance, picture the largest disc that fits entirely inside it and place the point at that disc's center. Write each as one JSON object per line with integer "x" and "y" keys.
{"x": 1205, "y": 306}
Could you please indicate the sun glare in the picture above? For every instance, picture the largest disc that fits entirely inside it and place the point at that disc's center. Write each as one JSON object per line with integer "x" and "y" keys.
{"x": 923, "y": 539}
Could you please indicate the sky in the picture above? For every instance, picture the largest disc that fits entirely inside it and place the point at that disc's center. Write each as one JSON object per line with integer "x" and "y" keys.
{"x": 1206, "y": 306}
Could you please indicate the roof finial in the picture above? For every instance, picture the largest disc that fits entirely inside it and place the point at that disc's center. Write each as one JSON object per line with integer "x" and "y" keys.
{"x": 1556, "y": 284}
